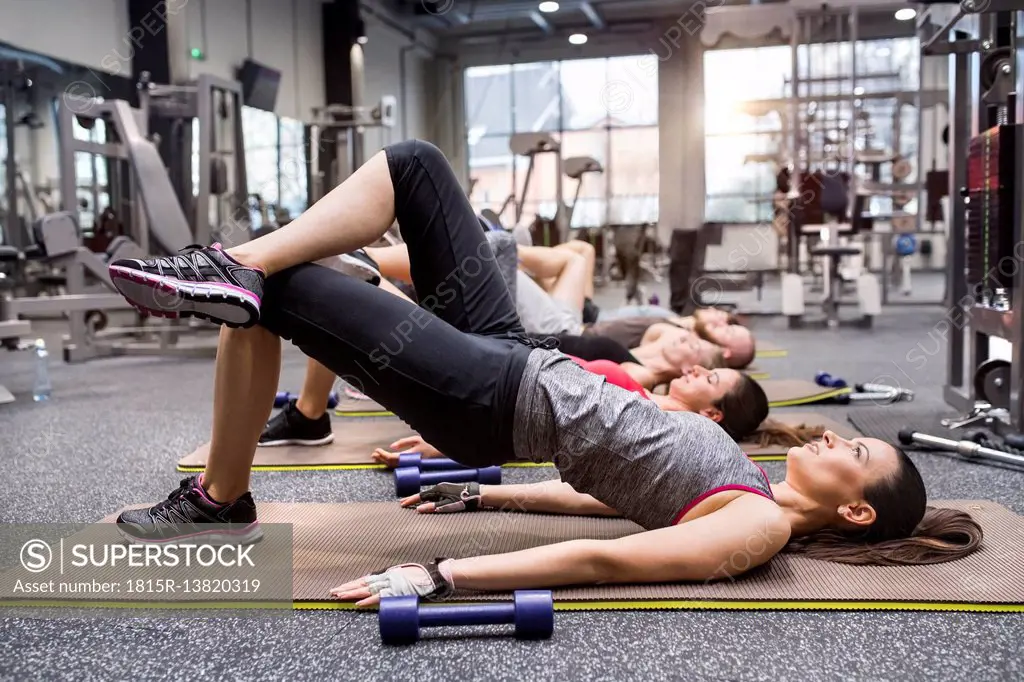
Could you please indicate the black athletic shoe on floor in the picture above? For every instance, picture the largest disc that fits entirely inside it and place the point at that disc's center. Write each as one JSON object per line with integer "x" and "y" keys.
{"x": 590, "y": 311}
{"x": 358, "y": 264}
{"x": 199, "y": 282}
{"x": 188, "y": 515}
{"x": 291, "y": 427}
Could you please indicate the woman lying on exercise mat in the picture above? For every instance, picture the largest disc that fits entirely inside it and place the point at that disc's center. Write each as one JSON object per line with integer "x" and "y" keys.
{"x": 475, "y": 388}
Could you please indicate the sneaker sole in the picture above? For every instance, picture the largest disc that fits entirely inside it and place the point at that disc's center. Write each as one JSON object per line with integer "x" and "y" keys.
{"x": 168, "y": 297}
{"x": 249, "y": 535}
{"x": 354, "y": 267}
{"x": 296, "y": 441}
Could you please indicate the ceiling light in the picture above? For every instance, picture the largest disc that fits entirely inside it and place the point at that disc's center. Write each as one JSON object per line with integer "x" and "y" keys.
{"x": 578, "y": 38}
{"x": 548, "y": 7}
{"x": 906, "y": 14}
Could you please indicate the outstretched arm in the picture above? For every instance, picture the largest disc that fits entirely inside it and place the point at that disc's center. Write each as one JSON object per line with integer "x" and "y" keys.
{"x": 547, "y": 497}
{"x": 743, "y": 534}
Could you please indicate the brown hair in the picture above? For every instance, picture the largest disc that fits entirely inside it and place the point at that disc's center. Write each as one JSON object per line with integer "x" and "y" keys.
{"x": 774, "y": 432}
{"x": 735, "y": 361}
{"x": 906, "y": 532}
{"x": 743, "y": 408}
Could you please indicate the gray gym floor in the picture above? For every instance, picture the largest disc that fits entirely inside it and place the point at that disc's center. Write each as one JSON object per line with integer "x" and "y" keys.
{"x": 115, "y": 428}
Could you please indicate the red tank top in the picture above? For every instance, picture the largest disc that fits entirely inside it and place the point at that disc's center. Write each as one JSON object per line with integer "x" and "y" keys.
{"x": 614, "y": 373}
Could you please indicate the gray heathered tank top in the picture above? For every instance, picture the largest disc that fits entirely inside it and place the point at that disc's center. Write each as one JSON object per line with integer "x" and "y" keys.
{"x": 649, "y": 465}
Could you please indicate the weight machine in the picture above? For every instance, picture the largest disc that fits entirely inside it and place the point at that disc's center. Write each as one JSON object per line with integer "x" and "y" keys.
{"x": 986, "y": 277}
{"x": 348, "y": 147}
{"x": 217, "y": 209}
{"x": 155, "y": 222}
{"x": 825, "y": 203}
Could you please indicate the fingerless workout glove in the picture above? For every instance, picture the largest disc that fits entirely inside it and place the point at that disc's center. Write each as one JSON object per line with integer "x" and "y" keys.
{"x": 453, "y": 497}
{"x": 409, "y": 580}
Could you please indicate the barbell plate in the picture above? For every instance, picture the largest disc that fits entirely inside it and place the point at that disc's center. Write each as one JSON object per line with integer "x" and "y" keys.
{"x": 992, "y": 383}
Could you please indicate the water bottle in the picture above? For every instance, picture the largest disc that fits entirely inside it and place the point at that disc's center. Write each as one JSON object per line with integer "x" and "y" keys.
{"x": 43, "y": 388}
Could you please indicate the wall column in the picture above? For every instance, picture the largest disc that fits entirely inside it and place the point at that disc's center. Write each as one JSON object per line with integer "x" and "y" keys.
{"x": 681, "y": 129}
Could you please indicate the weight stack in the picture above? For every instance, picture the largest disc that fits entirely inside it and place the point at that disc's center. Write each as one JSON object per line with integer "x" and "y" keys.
{"x": 990, "y": 189}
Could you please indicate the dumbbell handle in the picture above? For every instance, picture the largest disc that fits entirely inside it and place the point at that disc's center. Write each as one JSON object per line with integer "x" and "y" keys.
{"x": 415, "y": 459}
{"x": 467, "y": 614}
{"x": 882, "y": 388}
{"x": 458, "y": 475}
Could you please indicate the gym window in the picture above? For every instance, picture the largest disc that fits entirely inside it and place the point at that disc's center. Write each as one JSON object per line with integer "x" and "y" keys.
{"x": 605, "y": 108}
{"x": 275, "y": 159}
{"x": 743, "y": 131}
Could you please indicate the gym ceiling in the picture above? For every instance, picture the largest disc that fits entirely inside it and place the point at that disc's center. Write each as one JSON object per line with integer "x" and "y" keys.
{"x": 481, "y": 22}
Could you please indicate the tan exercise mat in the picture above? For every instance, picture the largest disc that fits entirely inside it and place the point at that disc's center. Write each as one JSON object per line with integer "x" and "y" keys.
{"x": 756, "y": 373}
{"x": 767, "y": 349}
{"x": 339, "y": 542}
{"x": 349, "y": 407}
{"x": 334, "y": 543}
{"x": 843, "y": 429}
{"x": 354, "y": 440}
{"x": 790, "y": 392}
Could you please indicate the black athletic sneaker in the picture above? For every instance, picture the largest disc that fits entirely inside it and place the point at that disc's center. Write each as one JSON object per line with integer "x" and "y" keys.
{"x": 590, "y": 311}
{"x": 358, "y": 264}
{"x": 188, "y": 515}
{"x": 291, "y": 427}
{"x": 199, "y": 282}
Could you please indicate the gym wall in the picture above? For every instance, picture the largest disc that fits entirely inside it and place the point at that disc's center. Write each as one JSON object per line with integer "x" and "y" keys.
{"x": 83, "y": 32}
{"x": 282, "y": 35}
{"x": 384, "y": 52}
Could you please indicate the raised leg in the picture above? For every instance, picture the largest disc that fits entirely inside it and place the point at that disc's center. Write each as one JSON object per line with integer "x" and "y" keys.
{"x": 567, "y": 268}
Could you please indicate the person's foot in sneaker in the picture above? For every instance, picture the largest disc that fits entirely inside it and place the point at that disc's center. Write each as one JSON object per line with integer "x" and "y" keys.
{"x": 358, "y": 264}
{"x": 291, "y": 427}
{"x": 190, "y": 515}
{"x": 201, "y": 282}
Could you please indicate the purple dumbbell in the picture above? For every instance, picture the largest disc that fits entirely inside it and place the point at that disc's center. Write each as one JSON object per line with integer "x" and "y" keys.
{"x": 418, "y": 461}
{"x": 409, "y": 480}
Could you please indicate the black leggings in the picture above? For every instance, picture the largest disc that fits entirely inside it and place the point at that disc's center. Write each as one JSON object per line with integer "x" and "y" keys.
{"x": 449, "y": 368}
{"x": 592, "y": 348}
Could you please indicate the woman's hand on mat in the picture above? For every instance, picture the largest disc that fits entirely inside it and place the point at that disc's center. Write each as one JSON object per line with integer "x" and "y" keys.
{"x": 405, "y": 580}
{"x": 389, "y": 458}
{"x": 446, "y": 498}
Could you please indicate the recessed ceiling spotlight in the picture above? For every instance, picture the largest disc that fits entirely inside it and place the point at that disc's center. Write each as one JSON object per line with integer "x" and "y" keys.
{"x": 548, "y": 7}
{"x": 578, "y": 38}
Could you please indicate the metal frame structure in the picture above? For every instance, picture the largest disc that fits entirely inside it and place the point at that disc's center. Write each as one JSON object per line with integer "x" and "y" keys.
{"x": 353, "y": 120}
{"x": 973, "y": 322}
{"x": 88, "y": 283}
{"x": 202, "y": 100}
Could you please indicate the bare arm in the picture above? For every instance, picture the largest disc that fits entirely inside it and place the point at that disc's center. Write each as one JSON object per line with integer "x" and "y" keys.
{"x": 548, "y": 497}
{"x": 743, "y": 534}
